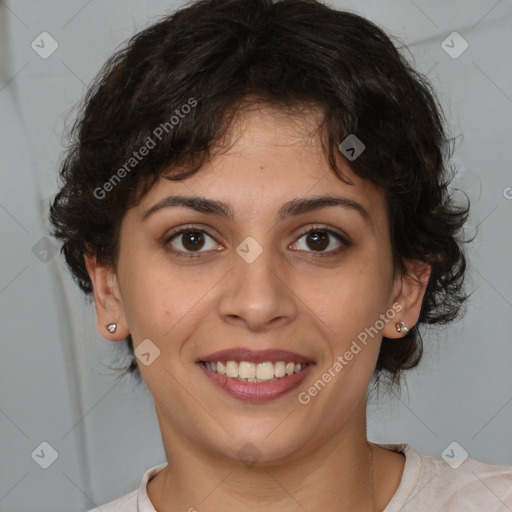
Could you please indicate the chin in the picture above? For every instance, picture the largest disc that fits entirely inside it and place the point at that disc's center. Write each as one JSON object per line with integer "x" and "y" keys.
{"x": 258, "y": 448}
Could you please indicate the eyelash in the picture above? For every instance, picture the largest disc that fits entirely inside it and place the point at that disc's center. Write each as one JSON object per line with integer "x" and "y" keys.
{"x": 314, "y": 229}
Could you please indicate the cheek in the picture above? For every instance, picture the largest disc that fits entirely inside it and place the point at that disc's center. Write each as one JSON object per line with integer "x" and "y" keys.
{"x": 147, "y": 297}
{"x": 160, "y": 301}
{"x": 352, "y": 296}
{"x": 348, "y": 305}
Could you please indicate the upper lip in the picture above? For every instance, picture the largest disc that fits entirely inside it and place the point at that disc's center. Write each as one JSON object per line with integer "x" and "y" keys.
{"x": 256, "y": 356}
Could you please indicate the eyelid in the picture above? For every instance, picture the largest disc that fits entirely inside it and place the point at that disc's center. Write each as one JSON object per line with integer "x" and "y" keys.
{"x": 327, "y": 229}
{"x": 340, "y": 236}
{"x": 186, "y": 229}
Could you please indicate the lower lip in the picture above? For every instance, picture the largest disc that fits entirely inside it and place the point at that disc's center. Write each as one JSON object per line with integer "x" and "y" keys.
{"x": 257, "y": 391}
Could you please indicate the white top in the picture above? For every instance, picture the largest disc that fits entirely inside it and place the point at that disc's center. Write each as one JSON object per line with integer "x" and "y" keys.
{"x": 428, "y": 485}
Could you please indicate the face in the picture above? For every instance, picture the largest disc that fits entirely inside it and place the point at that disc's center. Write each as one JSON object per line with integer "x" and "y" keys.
{"x": 270, "y": 277}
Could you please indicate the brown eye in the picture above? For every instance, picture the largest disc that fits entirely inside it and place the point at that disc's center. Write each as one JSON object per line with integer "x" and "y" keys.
{"x": 317, "y": 240}
{"x": 322, "y": 241}
{"x": 192, "y": 240}
{"x": 186, "y": 242}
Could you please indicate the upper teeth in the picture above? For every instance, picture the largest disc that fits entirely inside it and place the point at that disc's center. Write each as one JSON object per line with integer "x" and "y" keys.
{"x": 254, "y": 372}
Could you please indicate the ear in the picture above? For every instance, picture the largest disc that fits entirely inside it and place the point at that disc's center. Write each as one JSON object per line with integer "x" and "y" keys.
{"x": 108, "y": 300}
{"x": 408, "y": 291}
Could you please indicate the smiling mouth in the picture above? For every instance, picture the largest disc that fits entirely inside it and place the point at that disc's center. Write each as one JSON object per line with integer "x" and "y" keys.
{"x": 247, "y": 371}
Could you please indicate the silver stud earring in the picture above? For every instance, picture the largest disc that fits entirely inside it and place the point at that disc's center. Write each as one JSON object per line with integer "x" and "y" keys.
{"x": 402, "y": 327}
{"x": 111, "y": 327}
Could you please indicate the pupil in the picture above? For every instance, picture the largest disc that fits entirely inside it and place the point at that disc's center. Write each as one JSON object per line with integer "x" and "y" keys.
{"x": 193, "y": 239}
{"x": 319, "y": 240}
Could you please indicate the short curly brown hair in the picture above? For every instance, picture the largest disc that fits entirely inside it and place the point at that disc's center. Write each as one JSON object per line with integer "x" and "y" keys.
{"x": 214, "y": 55}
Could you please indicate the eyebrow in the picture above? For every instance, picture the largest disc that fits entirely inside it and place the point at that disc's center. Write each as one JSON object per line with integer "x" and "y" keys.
{"x": 291, "y": 208}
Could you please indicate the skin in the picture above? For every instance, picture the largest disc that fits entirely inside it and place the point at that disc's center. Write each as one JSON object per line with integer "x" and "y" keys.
{"x": 313, "y": 456}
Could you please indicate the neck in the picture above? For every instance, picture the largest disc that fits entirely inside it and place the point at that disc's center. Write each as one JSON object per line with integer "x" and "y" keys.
{"x": 332, "y": 475}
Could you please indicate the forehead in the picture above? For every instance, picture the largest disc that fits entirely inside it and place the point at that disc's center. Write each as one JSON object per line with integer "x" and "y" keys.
{"x": 267, "y": 158}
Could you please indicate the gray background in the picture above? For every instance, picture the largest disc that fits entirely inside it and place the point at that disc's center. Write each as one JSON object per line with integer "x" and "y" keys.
{"x": 55, "y": 386}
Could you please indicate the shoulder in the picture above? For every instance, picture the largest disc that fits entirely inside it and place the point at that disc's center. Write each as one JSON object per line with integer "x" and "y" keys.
{"x": 126, "y": 503}
{"x": 135, "y": 501}
{"x": 472, "y": 485}
{"x": 430, "y": 484}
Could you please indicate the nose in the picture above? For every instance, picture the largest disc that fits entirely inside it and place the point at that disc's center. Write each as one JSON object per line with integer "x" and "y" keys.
{"x": 258, "y": 295}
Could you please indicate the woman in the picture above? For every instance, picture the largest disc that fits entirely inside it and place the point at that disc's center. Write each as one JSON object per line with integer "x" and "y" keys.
{"x": 257, "y": 199}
